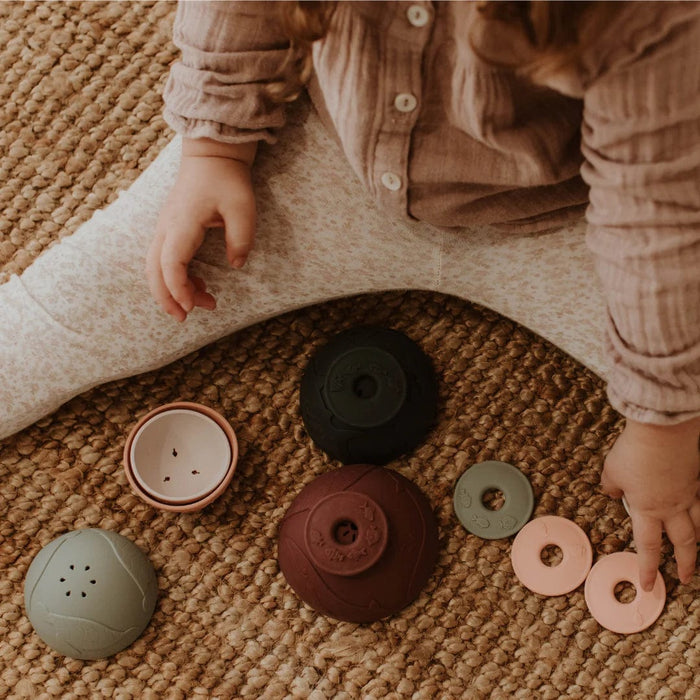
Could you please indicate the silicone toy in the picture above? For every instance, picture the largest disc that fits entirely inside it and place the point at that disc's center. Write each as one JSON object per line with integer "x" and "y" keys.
{"x": 90, "y": 593}
{"x": 358, "y": 543}
{"x": 482, "y": 521}
{"x": 181, "y": 456}
{"x": 368, "y": 396}
{"x": 624, "y": 618}
{"x": 570, "y": 573}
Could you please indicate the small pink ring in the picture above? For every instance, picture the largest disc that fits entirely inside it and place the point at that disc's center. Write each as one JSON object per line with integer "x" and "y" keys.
{"x": 577, "y": 555}
{"x": 623, "y": 618}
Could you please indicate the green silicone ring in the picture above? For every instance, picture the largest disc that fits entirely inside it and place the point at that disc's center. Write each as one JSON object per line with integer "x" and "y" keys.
{"x": 482, "y": 521}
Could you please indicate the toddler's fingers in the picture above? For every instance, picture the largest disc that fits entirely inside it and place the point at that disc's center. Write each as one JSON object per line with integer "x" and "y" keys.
{"x": 175, "y": 256}
{"x": 240, "y": 232}
{"x": 608, "y": 486}
{"x": 202, "y": 298}
{"x": 681, "y": 531}
{"x": 647, "y": 536}
{"x": 156, "y": 284}
{"x": 161, "y": 294}
{"x": 178, "y": 283}
{"x": 695, "y": 517}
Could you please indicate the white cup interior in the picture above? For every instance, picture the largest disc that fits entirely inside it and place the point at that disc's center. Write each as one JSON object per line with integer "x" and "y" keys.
{"x": 180, "y": 456}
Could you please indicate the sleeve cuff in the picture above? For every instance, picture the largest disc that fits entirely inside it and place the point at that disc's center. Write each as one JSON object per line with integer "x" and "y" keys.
{"x": 663, "y": 390}
{"x": 202, "y": 128}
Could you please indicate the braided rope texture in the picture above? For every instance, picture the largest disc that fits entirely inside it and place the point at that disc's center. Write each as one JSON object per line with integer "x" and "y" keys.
{"x": 80, "y": 119}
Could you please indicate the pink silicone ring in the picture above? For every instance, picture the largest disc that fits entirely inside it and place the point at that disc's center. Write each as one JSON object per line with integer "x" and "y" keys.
{"x": 533, "y": 573}
{"x": 624, "y": 618}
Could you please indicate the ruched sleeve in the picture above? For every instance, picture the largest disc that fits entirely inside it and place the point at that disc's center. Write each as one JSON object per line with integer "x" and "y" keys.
{"x": 229, "y": 52}
{"x": 641, "y": 143}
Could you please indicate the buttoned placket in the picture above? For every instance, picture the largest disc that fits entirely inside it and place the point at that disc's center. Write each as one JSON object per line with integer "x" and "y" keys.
{"x": 400, "y": 84}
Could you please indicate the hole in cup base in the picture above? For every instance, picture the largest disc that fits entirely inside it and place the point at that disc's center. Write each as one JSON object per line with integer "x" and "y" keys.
{"x": 625, "y": 592}
{"x": 551, "y": 555}
{"x": 493, "y": 499}
{"x": 345, "y": 532}
{"x": 365, "y": 387}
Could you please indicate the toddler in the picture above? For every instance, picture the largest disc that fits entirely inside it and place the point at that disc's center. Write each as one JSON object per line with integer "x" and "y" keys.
{"x": 516, "y": 116}
{"x": 440, "y": 126}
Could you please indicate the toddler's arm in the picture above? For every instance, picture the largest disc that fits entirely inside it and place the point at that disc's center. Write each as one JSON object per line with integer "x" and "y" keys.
{"x": 640, "y": 136}
{"x": 657, "y": 467}
{"x": 217, "y": 99}
{"x": 213, "y": 187}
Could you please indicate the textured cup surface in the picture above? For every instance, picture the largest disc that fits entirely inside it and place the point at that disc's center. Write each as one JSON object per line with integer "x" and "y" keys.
{"x": 358, "y": 543}
{"x": 90, "y": 593}
{"x": 369, "y": 395}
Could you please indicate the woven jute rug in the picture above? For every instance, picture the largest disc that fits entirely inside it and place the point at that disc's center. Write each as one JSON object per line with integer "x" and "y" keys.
{"x": 80, "y": 119}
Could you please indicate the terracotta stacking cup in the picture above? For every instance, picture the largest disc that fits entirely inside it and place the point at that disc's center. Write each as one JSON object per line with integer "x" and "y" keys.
{"x": 181, "y": 456}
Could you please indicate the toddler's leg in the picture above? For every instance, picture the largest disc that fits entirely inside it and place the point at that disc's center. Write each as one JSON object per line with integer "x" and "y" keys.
{"x": 546, "y": 282}
{"x": 81, "y": 314}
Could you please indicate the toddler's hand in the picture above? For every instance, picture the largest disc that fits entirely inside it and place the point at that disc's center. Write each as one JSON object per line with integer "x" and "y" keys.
{"x": 657, "y": 469}
{"x": 213, "y": 188}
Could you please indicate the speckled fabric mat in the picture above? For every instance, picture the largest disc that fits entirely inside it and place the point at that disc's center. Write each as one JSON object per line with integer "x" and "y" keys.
{"x": 80, "y": 119}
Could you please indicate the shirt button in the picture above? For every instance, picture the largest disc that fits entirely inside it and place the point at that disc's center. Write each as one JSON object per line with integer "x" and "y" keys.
{"x": 417, "y": 15}
{"x": 391, "y": 181}
{"x": 405, "y": 102}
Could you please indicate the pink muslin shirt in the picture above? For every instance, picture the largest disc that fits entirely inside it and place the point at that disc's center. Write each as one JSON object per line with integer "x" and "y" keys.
{"x": 438, "y": 133}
